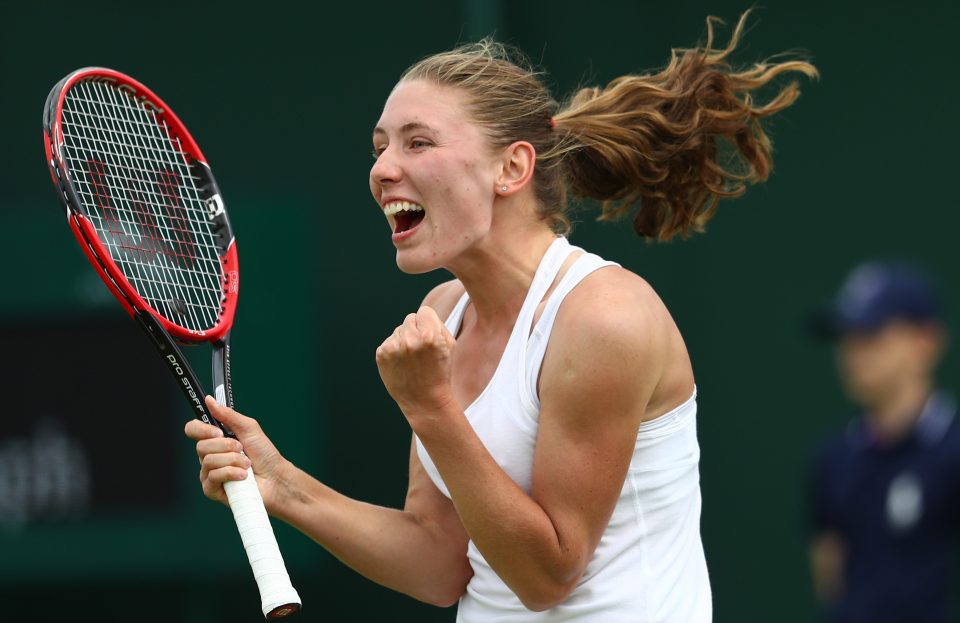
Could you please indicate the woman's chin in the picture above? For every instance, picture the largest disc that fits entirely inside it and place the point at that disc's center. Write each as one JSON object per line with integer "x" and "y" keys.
{"x": 410, "y": 264}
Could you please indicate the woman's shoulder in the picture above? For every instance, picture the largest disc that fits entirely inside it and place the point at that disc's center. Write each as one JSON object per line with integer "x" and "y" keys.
{"x": 615, "y": 290}
{"x": 614, "y": 304}
{"x": 614, "y": 320}
{"x": 443, "y": 298}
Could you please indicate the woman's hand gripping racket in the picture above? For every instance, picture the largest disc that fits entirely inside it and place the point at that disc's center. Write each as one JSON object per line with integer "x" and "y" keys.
{"x": 142, "y": 202}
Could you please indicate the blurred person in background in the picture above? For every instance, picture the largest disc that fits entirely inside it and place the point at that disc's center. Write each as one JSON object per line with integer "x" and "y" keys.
{"x": 885, "y": 495}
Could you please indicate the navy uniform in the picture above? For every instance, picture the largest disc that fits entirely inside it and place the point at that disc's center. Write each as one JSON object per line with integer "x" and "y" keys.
{"x": 897, "y": 508}
{"x": 895, "y": 504}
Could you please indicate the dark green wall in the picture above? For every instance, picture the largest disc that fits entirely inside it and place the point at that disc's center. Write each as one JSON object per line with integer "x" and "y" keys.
{"x": 864, "y": 167}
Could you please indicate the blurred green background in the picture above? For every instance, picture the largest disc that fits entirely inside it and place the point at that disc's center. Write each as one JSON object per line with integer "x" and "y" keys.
{"x": 282, "y": 97}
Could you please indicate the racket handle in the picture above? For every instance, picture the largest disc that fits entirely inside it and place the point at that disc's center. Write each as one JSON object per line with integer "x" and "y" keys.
{"x": 277, "y": 596}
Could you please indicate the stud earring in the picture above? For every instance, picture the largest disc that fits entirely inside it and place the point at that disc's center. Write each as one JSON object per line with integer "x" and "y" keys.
{"x": 503, "y": 189}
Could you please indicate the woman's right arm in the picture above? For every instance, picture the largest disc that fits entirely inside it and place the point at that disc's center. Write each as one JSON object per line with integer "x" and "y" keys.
{"x": 419, "y": 550}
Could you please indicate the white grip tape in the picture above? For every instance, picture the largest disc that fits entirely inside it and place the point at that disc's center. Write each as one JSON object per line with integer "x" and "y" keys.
{"x": 260, "y": 544}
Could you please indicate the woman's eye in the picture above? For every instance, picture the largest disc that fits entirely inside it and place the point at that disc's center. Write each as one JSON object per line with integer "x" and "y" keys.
{"x": 376, "y": 152}
{"x": 419, "y": 143}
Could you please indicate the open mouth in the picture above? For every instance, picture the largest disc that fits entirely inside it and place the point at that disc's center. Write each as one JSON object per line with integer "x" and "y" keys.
{"x": 406, "y": 215}
{"x": 407, "y": 221}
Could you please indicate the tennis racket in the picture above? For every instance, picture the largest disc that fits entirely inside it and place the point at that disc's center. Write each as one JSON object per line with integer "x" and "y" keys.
{"x": 141, "y": 200}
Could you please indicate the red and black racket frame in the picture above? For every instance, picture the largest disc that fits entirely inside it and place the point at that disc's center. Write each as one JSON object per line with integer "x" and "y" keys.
{"x": 163, "y": 333}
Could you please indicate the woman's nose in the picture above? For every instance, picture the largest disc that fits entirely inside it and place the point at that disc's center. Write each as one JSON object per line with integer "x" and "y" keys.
{"x": 385, "y": 169}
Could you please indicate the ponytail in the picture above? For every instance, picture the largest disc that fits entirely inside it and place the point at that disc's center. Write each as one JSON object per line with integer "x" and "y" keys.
{"x": 668, "y": 146}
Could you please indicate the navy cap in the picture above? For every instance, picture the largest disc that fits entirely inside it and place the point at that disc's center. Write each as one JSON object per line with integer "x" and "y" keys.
{"x": 876, "y": 293}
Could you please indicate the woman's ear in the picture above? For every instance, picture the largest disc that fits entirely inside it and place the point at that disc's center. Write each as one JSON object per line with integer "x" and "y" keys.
{"x": 517, "y": 165}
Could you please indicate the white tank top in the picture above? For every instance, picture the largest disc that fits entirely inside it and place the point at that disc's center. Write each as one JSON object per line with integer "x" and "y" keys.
{"x": 649, "y": 565}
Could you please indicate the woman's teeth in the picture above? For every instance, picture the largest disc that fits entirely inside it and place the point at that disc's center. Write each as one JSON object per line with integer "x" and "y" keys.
{"x": 401, "y": 206}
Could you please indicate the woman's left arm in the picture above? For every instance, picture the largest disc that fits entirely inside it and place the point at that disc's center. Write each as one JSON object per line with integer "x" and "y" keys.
{"x": 600, "y": 370}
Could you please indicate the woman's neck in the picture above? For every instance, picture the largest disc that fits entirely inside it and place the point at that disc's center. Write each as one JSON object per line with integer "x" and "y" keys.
{"x": 497, "y": 273}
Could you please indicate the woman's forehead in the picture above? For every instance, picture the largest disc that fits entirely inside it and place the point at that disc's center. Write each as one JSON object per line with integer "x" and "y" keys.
{"x": 419, "y": 103}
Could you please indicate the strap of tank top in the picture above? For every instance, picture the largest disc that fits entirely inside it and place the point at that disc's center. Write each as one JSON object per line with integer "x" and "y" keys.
{"x": 537, "y": 343}
{"x": 546, "y": 273}
{"x": 456, "y": 316}
{"x": 550, "y": 264}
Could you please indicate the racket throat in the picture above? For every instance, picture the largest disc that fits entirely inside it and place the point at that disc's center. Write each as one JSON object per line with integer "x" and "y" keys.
{"x": 222, "y": 386}
{"x": 187, "y": 381}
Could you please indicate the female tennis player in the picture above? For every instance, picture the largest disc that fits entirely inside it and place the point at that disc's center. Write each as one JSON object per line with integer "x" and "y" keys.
{"x": 554, "y": 461}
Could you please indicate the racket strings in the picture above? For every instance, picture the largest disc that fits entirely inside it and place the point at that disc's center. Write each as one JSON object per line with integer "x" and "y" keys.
{"x": 144, "y": 248}
{"x": 136, "y": 183}
{"x": 180, "y": 245}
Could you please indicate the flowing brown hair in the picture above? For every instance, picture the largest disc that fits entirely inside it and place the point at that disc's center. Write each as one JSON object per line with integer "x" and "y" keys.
{"x": 666, "y": 146}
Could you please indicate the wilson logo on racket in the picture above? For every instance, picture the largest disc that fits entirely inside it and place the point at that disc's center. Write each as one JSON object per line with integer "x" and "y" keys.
{"x": 214, "y": 206}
